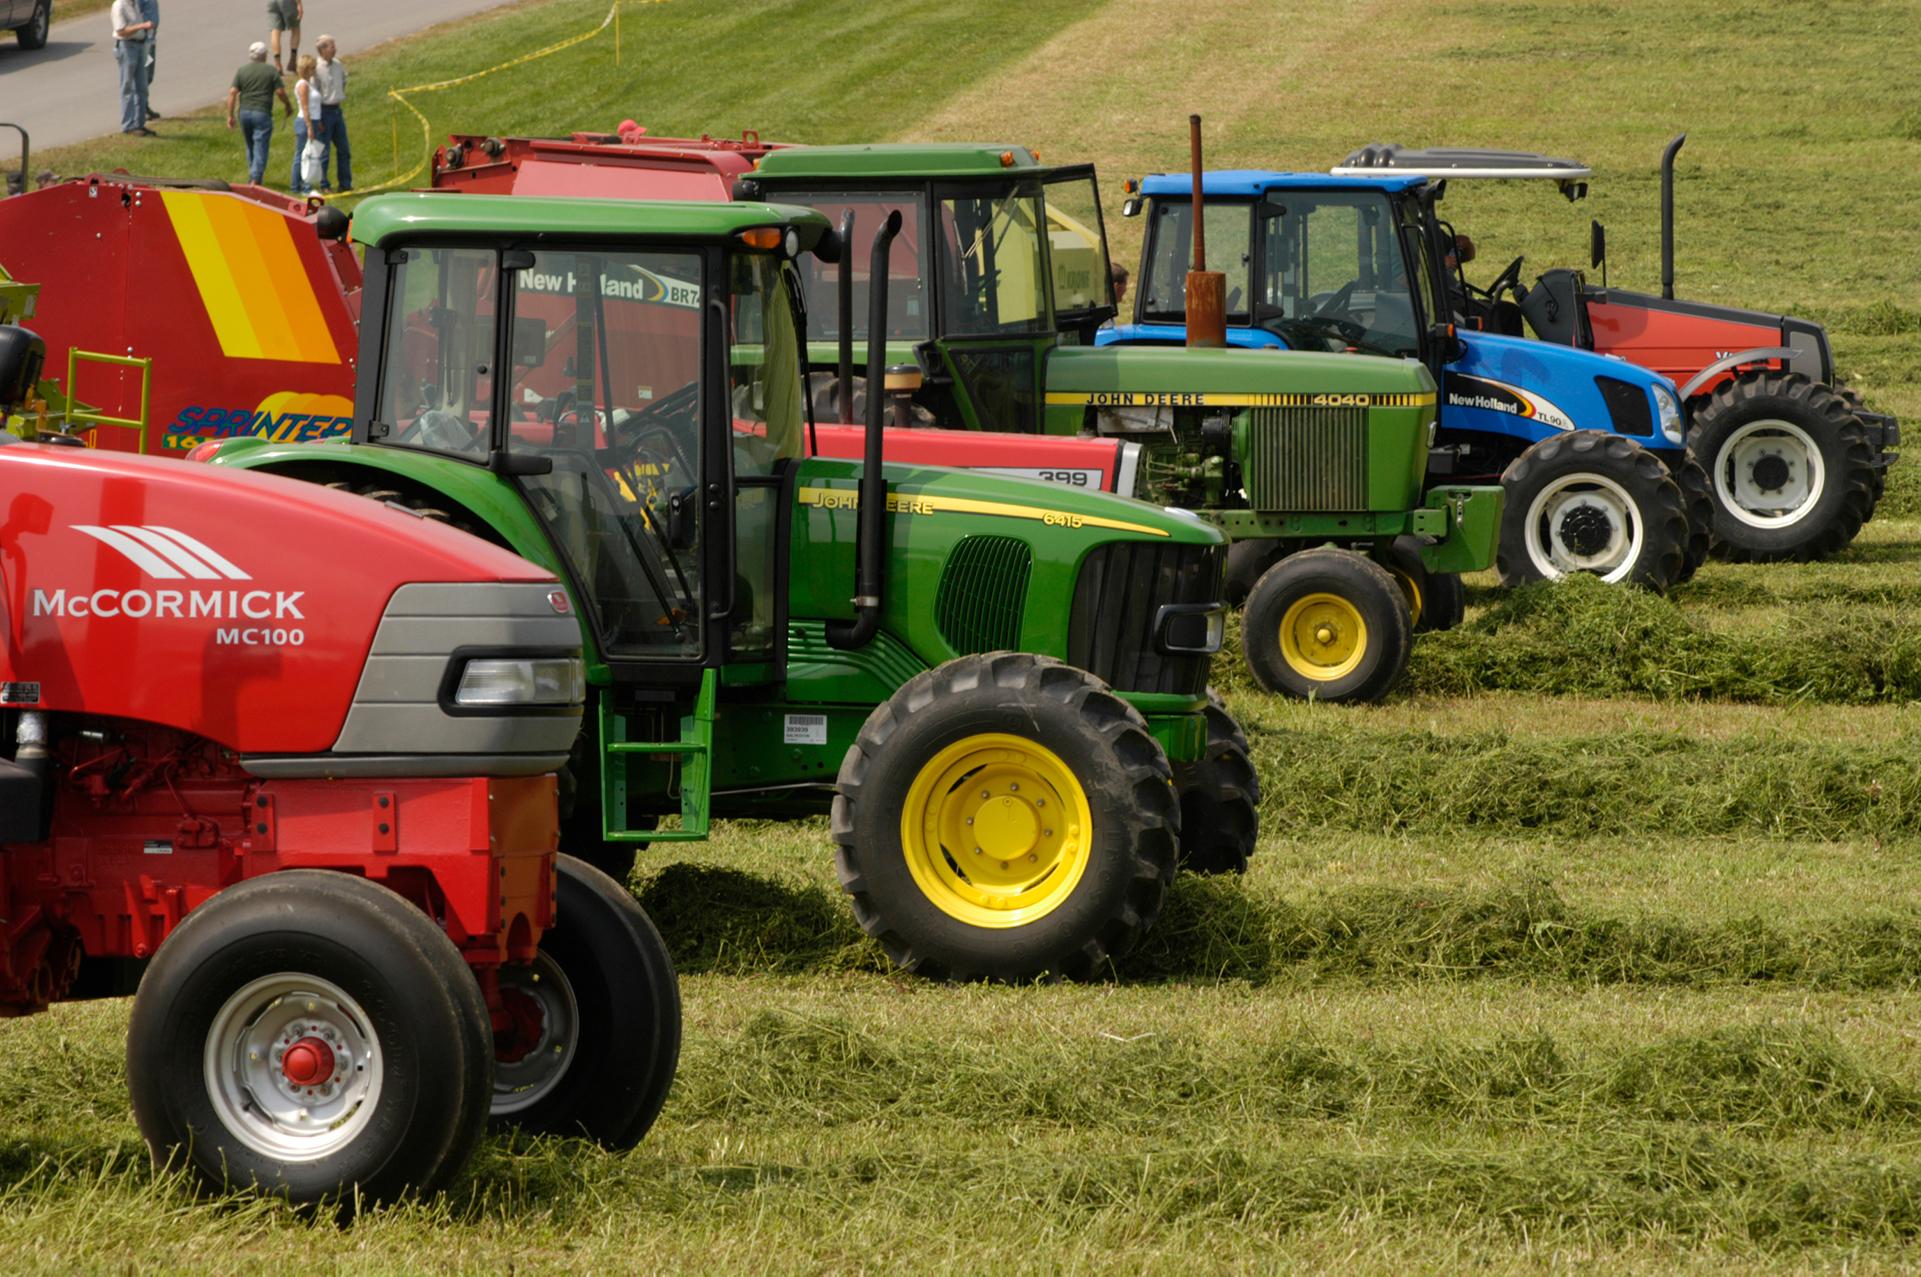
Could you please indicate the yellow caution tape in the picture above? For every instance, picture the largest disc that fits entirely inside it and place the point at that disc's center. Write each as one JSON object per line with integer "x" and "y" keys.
{"x": 426, "y": 130}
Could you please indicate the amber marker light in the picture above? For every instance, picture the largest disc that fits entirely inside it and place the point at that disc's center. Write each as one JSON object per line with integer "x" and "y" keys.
{"x": 760, "y": 237}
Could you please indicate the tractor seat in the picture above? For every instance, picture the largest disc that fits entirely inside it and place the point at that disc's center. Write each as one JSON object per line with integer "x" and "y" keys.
{"x": 1554, "y": 310}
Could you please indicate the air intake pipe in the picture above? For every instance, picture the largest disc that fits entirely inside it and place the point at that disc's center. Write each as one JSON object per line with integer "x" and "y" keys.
{"x": 1667, "y": 215}
{"x": 870, "y": 546}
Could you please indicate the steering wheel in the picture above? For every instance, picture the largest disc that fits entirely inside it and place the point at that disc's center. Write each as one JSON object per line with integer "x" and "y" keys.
{"x": 1336, "y": 303}
{"x": 1509, "y": 280}
{"x": 442, "y": 431}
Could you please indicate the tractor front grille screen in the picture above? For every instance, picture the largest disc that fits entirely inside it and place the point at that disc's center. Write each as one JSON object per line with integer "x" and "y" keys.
{"x": 1122, "y": 588}
{"x": 983, "y": 593}
{"x": 1307, "y": 458}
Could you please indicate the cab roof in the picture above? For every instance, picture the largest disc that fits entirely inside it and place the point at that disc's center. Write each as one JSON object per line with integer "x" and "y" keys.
{"x": 916, "y": 160}
{"x": 1250, "y": 182}
{"x": 448, "y": 213}
{"x": 1460, "y": 161}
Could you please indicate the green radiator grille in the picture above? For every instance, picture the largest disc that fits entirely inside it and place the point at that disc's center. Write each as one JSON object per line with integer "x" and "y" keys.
{"x": 983, "y": 592}
{"x": 1307, "y": 458}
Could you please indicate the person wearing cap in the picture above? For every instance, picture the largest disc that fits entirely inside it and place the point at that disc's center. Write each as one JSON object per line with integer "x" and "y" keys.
{"x": 130, "y": 32}
{"x": 330, "y": 77}
{"x": 250, "y": 104}
{"x": 285, "y": 15}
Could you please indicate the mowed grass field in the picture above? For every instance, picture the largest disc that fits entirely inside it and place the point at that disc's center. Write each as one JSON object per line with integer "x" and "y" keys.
{"x": 1597, "y": 946}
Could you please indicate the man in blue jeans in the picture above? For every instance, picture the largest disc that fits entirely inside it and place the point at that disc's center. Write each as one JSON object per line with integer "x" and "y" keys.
{"x": 250, "y": 104}
{"x": 330, "y": 79}
{"x": 130, "y": 34}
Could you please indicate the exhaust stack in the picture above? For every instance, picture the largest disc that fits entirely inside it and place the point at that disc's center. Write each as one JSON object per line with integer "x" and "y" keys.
{"x": 1667, "y": 215}
{"x": 1206, "y": 289}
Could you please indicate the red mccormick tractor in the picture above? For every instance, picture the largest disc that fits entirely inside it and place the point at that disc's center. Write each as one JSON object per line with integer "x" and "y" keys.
{"x": 288, "y": 757}
{"x": 1797, "y": 461}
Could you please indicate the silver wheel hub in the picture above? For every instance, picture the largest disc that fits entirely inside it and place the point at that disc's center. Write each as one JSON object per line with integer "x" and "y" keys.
{"x": 293, "y": 1067}
{"x": 542, "y": 1000}
{"x": 1584, "y": 523}
{"x": 1769, "y": 474}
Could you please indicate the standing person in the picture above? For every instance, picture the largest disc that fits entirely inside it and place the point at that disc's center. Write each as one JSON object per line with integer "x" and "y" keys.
{"x": 285, "y": 15}
{"x": 306, "y": 121}
{"x": 150, "y": 14}
{"x": 330, "y": 74}
{"x": 130, "y": 33}
{"x": 255, "y": 85}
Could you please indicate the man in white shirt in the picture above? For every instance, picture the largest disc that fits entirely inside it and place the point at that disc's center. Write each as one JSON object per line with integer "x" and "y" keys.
{"x": 330, "y": 80}
{"x": 130, "y": 34}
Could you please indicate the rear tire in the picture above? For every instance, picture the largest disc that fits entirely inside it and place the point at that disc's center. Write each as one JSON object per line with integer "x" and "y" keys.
{"x": 1791, "y": 468}
{"x": 1014, "y": 742}
{"x": 1328, "y": 625}
{"x": 1589, "y": 501}
{"x": 1699, "y": 491}
{"x": 599, "y": 1018}
{"x": 371, "y": 998}
{"x": 1220, "y": 799}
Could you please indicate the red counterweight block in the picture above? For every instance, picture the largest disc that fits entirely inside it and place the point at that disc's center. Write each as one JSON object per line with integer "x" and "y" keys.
{"x": 149, "y": 823}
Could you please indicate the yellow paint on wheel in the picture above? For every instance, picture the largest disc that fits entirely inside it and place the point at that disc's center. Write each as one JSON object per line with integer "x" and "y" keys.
{"x": 1323, "y": 637}
{"x": 997, "y": 831}
{"x": 1411, "y": 591}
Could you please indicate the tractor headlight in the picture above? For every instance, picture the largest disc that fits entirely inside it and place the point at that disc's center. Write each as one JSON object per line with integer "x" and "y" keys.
{"x": 516, "y": 682}
{"x": 1668, "y": 415}
{"x": 1191, "y": 629}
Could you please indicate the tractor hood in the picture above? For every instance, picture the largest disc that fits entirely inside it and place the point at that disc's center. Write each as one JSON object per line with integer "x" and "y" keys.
{"x": 277, "y": 618}
{"x": 1094, "y": 376}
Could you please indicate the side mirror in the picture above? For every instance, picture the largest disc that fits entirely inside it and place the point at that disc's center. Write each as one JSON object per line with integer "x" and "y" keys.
{"x": 1597, "y": 244}
{"x": 1131, "y": 206}
{"x": 829, "y": 247}
{"x": 519, "y": 464}
{"x": 1447, "y": 342}
{"x": 22, "y": 354}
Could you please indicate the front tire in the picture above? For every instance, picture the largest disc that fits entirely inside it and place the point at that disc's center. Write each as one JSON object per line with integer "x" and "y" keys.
{"x": 315, "y": 1035}
{"x": 34, "y": 34}
{"x": 1220, "y": 799}
{"x": 1328, "y": 625}
{"x": 1006, "y": 817}
{"x": 596, "y": 1019}
{"x": 1791, "y": 468}
{"x": 1590, "y": 501}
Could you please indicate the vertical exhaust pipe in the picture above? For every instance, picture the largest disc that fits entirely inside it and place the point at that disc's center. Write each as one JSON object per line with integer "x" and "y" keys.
{"x": 870, "y": 546}
{"x": 1667, "y": 215}
{"x": 845, "y": 379}
{"x": 1206, "y": 289}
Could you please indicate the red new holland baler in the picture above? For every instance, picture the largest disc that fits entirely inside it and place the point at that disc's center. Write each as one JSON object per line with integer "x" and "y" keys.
{"x": 293, "y": 753}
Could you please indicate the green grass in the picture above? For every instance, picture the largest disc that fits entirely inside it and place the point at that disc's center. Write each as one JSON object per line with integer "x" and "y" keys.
{"x": 1598, "y": 946}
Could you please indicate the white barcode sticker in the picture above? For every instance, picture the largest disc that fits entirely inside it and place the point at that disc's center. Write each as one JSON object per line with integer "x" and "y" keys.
{"x": 805, "y": 729}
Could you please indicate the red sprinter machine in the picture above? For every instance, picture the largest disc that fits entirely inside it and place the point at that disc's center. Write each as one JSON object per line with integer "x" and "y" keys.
{"x": 292, "y": 754}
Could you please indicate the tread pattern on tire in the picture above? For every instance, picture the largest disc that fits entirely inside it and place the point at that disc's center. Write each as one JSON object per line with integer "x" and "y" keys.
{"x": 1831, "y": 410}
{"x": 1220, "y": 799}
{"x": 1148, "y": 777}
{"x": 1665, "y": 530}
{"x": 1698, "y": 488}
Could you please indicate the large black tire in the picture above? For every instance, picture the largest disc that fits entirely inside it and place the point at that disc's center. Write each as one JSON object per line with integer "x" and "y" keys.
{"x": 1791, "y": 468}
{"x": 1699, "y": 491}
{"x": 597, "y": 1033}
{"x": 34, "y": 34}
{"x": 1878, "y": 485}
{"x": 1590, "y": 501}
{"x": 1247, "y": 561}
{"x": 1328, "y": 625}
{"x": 1014, "y": 739}
{"x": 345, "y": 977}
{"x": 1220, "y": 799}
{"x": 1436, "y": 600}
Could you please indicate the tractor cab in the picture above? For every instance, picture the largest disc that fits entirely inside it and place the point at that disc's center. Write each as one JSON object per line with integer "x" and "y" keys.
{"x": 998, "y": 261}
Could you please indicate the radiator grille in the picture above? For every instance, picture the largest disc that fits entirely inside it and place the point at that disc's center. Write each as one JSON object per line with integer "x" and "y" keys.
{"x": 1307, "y": 459}
{"x": 983, "y": 593}
{"x": 1119, "y": 595}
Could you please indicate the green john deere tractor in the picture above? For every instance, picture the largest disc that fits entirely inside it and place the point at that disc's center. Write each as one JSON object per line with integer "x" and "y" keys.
{"x": 1314, "y": 465}
{"x": 999, "y": 689}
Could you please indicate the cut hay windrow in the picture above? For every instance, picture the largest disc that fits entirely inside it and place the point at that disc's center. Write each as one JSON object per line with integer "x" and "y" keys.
{"x": 724, "y": 920}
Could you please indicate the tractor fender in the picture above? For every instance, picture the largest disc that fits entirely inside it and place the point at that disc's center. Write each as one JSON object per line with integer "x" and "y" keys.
{"x": 1728, "y": 363}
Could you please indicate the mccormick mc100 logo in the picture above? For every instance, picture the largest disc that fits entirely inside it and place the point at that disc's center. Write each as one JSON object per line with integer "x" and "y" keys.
{"x": 168, "y": 554}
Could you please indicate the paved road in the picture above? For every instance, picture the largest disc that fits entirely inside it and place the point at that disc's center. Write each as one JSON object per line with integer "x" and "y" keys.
{"x": 69, "y": 91}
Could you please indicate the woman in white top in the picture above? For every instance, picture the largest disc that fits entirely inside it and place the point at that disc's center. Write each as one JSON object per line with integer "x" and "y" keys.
{"x": 306, "y": 120}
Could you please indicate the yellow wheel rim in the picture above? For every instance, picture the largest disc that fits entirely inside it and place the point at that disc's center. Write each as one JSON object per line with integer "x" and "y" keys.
{"x": 1411, "y": 591}
{"x": 1323, "y": 637}
{"x": 997, "y": 831}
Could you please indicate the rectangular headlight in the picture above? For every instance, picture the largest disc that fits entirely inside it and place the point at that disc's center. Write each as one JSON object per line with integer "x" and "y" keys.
{"x": 1191, "y": 629}
{"x": 521, "y": 681}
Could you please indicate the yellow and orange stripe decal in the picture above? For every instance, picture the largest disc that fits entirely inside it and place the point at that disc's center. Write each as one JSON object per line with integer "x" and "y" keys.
{"x": 255, "y": 290}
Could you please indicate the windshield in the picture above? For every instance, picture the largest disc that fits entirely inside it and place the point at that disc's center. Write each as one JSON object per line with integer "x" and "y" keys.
{"x": 907, "y": 292}
{"x": 1331, "y": 275}
{"x": 992, "y": 262}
